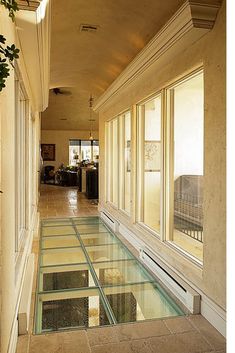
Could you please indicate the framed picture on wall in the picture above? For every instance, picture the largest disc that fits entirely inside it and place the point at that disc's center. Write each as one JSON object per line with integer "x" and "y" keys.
{"x": 48, "y": 151}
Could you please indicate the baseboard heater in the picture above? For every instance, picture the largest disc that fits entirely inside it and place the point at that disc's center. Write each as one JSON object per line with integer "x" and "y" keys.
{"x": 113, "y": 225}
{"x": 182, "y": 291}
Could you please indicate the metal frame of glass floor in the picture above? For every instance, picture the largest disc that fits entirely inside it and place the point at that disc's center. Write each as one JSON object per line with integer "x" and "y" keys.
{"x": 87, "y": 277}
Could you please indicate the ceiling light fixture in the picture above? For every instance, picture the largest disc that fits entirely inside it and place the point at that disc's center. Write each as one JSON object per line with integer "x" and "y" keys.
{"x": 91, "y": 99}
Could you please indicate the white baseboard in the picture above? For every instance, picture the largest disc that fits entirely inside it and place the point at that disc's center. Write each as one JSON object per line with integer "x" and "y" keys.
{"x": 13, "y": 338}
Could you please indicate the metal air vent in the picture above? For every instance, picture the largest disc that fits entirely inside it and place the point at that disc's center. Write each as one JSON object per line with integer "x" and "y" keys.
{"x": 88, "y": 28}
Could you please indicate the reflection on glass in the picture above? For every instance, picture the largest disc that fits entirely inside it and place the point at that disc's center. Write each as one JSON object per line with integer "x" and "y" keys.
{"x": 149, "y": 122}
{"x": 63, "y": 230}
{"x": 140, "y": 302}
{"x": 114, "y": 162}
{"x": 107, "y": 253}
{"x": 188, "y": 165}
{"x": 60, "y": 242}
{"x": 98, "y": 239}
{"x": 55, "y": 222}
{"x": 90, "y": 228}
{"x": 127, "y": 162}
{"x": 62, "y": 256}
{"x": 65, "y": 277}
{"x": 121, "y": 272}
{"x": 76, "y": 309}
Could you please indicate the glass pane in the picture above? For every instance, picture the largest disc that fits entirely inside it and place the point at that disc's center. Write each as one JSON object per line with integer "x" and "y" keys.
{"x": 56, "y": 222}
{"x": 188, "y": 165}
{"x": 140, "y": 302}
{"x": 60, "y": 242}
{"x": 127, "y": 159}
{"x": 86, "y": 220}
{"x": 98, "y": 239}
{"x": 107, "y": 253}
{"x": 62, "y": 256}
{"x": 65, "y": 277}
{"x": 63, "y": 230}
{"x": 85, "y": 150}
{"x": 74, "y": 309}
{"x": 152, "y": 163}
{"x": 91, "y": 228}
{"x": 114, "y": 161}
{"x": 121, "y": 272}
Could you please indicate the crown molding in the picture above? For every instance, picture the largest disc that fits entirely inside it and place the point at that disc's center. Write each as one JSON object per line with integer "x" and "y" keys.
{"x": 33, "y": 33}
{"x": 32, "y": 6}
{"x": 193, "y": 20}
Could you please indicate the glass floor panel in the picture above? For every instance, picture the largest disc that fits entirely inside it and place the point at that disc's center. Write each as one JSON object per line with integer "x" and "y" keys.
{"x": 98, "y": 239}
{"x": 59, "y": 230}
{"x": 87, "y": 278}
{"x": 107, "y": 253}
{"x": 84, "y": 220}
{"x": 121, "y": 272}
{"x": 65, "y": 277}
{"x": 91, "y": 228}
{"x": 54, "y": 222}
{"x": 138, "y": 302}
{"x": 61, "y": 241}
{"x": 62, "y": 256}
{"x": 69, "y": 310}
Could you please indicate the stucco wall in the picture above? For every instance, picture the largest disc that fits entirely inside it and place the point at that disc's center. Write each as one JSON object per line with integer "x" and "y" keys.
{"x": 209, "y": 51}
{"x": 61, "y": 140}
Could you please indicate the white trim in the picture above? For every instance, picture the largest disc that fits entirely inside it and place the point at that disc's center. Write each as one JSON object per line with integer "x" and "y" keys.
{"x": 13, "y": 338}
{"x": 187, "y": 25}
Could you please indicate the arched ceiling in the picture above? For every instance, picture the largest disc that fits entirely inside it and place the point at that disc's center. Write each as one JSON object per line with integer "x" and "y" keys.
{"x": 88, "y": 62}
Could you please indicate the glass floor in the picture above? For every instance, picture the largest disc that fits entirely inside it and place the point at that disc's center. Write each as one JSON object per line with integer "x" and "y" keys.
{"x": 88, "y": 277}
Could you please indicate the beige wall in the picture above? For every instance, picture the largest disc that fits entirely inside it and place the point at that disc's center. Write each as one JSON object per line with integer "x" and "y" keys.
{"x": 209, "y": 51}
{"x": 61, "y": 139}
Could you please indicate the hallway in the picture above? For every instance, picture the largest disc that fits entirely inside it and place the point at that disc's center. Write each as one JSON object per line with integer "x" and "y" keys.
{"x": 189, "y": 334}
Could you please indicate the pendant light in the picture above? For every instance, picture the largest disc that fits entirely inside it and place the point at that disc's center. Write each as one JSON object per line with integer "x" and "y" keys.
{"x": 91, "y": 138}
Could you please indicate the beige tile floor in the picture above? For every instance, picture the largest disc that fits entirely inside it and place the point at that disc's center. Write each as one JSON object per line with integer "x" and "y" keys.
{"x": 190, "y": 334}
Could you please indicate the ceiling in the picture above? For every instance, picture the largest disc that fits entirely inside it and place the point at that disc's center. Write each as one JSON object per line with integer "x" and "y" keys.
{"x": 85, "y": 63}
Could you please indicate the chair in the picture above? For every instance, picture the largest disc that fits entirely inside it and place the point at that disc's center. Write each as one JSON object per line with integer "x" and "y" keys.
{"x": 49, "y": 174}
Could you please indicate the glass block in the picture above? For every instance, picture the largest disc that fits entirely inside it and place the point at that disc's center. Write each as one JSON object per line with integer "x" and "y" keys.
{"x": 121, "y": 272}
{"x": 62, "y": 256}
{"x": 140, "y": 302}
{"x": 74, "y": 309}
{"x": 65, "y": 277}
{"x": 98, "y": 239}
{"x": 59, "y": 230}
{"x": 60, "y": 241}
{"x": 107, "y": 253}
{"x": 91, "y": 228}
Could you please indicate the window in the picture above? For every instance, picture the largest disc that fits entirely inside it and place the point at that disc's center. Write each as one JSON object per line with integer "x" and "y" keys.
{"x": 149, "y": 163}
{"x": 118, "y": 171}
{"x": 186, "y": 184}
{"x": 80, "y": 150}
{"x": 21, "y": 128}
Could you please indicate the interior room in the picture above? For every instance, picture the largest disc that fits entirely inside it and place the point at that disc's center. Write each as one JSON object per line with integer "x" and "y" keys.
{"x": 113, "y": 176}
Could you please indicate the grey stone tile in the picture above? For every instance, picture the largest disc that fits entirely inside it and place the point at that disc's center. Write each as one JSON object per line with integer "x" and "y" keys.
{"x": 137, "y": 346}
{"x": 141, "y": 330}
{"x": 45, "y": 344}
{"x": 74, "y": 342}
{"x": 216, "y": 340}
{"x": 22, "y": 344}
{"x": 179, "y": 325}
{"x": 102, "y": 335}
{"x": 188, "y": 342}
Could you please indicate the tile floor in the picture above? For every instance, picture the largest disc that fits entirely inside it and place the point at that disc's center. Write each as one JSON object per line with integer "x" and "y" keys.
{"x": 190, "y": 334}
